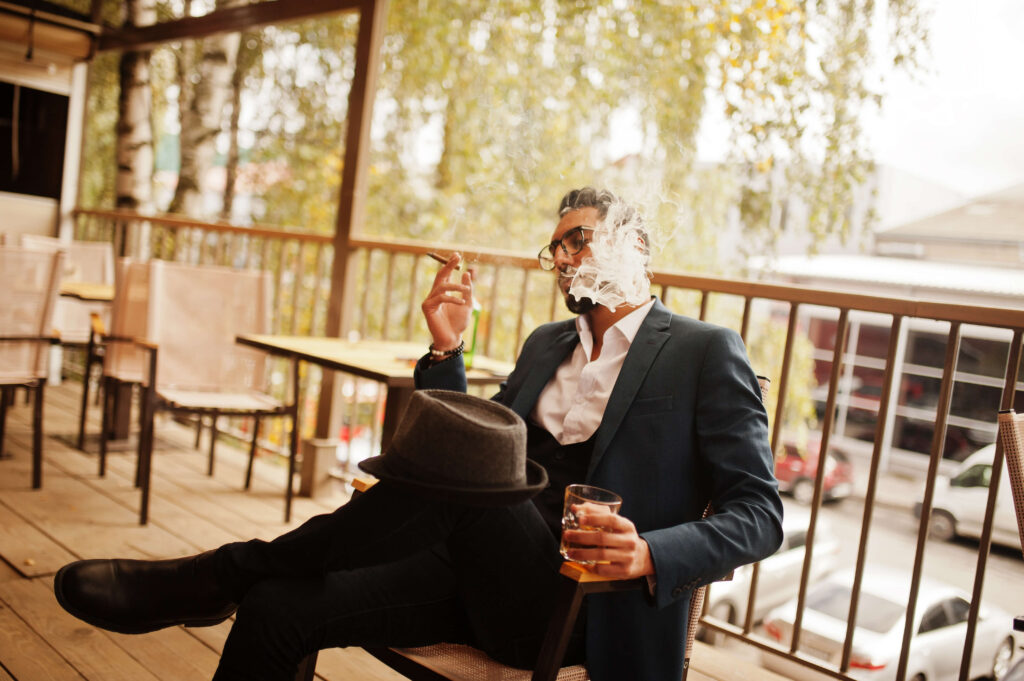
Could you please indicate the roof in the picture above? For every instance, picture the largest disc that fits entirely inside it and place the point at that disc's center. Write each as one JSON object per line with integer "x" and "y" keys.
{"x": 866, "y": 270}
{"x": 997, "y": 217}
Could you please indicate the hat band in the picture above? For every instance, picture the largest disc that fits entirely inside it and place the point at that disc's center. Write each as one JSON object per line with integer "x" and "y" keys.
{"x": 398, "y": 463}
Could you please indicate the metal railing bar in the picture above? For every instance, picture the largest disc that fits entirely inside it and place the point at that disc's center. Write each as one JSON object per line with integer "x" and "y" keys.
{"x": 364, "y": 318}
{"x": 492, "y": 308}
{"x": 524, "y": 293}
{"x": 938, "y": 443}
{"x": 842, "y": 329}
{"x": 745, "y": 322}
{"x": 296, "y": 285}
{"x": 787, "y": 358}
{"x": 985, "y": 542}
{"x": 869, "y": 496}
{"x": 389, "y": 289}
{"x": 412, "y": 308}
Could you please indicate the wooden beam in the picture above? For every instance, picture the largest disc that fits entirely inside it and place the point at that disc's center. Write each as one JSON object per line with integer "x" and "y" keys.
{"x": 372, "y": 19}
{"x": 44, "y": 37}
{"x": 228, "y": 20}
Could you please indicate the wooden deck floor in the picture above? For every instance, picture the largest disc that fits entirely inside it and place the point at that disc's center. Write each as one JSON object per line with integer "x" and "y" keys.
{"x": 77, "y": 514}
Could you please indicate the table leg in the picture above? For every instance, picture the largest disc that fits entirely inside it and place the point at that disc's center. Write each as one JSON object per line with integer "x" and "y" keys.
{"x": 394, "y": 408}
{"x": 121, "y": 427}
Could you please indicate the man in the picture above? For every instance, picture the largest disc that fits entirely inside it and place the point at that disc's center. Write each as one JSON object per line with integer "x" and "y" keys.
{"x": 661, "y": 409}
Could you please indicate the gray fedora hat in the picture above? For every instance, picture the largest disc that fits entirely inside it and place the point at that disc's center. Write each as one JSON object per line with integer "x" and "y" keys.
{"x": 457, "y": 447}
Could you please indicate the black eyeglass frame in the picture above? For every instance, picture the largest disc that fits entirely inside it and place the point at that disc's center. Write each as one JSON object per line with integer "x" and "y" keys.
{"x": 546, "y": 256}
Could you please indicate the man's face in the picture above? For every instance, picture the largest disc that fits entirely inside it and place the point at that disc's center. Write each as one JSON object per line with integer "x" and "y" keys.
{"x": 566, "y": 265}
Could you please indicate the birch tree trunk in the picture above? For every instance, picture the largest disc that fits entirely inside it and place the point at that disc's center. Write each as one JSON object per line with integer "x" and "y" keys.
{"x": 134, "y": 180}
{"x": 201, "y": 118}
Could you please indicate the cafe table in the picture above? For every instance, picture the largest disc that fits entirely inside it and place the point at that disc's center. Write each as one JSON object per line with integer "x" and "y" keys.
{"x": 88, "y": 291}
{"x": 388, "y": 362}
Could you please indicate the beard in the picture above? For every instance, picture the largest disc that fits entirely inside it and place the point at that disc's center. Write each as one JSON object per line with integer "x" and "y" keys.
{"x": 575, "y": 305}
{"x": 579, "y": 305}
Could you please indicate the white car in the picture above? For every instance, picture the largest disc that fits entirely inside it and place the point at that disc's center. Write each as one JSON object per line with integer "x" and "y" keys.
{"x": 779, "y": 575}
{"x": 958, "y": 508}
{"x": 936, "y": 646}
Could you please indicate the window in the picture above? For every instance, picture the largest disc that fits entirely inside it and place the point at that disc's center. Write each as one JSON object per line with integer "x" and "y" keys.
{"x": 978, "y": 475}
{"x": 934, "y": 618}
{"x": 33, "y": 124}
{"x": 959, "y": 609}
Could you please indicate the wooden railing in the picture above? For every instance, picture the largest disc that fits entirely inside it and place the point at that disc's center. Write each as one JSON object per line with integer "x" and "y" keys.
{"x": 387, "y": 280}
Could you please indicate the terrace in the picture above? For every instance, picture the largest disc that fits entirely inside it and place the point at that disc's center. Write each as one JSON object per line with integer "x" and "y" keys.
{"x": 350, "y": 286}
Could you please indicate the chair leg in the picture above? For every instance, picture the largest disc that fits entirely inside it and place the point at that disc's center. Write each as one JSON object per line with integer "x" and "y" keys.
{"x": 147, "y": 409}
{"x": 307, "y": 668}
{"x": 90, "y": 356}
{"x": 107, "y": 389}
{"x": 37, "y": 435}
{"x": 199, "y": 430}
{"x": 563, "y": 618}
{"x": 252, "y": 450}
{"x": 293, "y": 452}
{"x": 213, "y": 443}
{"x": 5, "y": 396}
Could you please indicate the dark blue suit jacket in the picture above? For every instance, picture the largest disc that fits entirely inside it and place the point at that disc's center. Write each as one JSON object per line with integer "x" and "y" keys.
{"x": 684, "y": 425}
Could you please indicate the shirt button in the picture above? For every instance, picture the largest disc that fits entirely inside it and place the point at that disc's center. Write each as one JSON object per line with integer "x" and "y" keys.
{"x": 677, "y": 592}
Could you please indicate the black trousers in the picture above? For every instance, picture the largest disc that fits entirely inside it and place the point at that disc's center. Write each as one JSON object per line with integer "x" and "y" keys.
{"x": 392, "y": 568}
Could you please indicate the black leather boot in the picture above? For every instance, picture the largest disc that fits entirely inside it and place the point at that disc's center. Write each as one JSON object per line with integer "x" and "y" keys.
{"x": 138, "y": 596}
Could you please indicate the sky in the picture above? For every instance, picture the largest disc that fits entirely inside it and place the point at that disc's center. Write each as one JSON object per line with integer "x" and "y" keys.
{"x": 960, "y": 121}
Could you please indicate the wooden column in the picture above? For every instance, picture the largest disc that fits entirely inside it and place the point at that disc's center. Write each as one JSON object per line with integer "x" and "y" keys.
{"x": 372, "y": 17}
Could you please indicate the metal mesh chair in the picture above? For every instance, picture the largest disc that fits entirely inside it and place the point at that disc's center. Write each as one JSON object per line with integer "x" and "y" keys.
{"x": 1011, "y": 434}
{"x": 89, "y": 262}
{"x": 29, "y": 281}
{"x": 174, "y": 329}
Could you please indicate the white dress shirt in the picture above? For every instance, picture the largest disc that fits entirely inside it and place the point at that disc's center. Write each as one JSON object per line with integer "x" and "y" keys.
{"x": 572, "y": 404}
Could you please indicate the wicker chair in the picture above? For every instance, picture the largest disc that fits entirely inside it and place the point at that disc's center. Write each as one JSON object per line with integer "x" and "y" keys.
{"x": 1011, "y": 434}
{"x": 454, "y": 662}
{"x": 90, "y": 262}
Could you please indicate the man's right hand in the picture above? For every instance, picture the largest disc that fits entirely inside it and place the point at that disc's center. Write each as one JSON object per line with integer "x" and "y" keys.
{"x": 449, "y": 306}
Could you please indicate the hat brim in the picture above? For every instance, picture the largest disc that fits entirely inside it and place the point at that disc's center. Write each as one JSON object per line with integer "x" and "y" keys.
{"x": 536, "y": 480}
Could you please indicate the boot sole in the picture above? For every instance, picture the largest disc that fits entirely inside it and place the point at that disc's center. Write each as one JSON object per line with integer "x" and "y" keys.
{"x": 119, "y": 628}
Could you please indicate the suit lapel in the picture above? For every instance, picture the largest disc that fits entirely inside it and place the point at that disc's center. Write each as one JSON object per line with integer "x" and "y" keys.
{"x": 650, "y": 338}
{"x": 543, "y": 367}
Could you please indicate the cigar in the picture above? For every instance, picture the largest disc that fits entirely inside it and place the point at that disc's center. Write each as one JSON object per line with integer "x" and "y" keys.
{"x": 442, "y": 260}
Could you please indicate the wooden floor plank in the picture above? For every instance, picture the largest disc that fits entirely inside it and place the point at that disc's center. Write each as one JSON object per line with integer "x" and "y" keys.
{"x": 88, "y": 649}
{"x": 27, "y": 655}
{"x": 28, "y": 548}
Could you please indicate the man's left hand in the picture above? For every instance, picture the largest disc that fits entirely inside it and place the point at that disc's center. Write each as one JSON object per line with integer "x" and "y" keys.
{"x": 618, "y": 550}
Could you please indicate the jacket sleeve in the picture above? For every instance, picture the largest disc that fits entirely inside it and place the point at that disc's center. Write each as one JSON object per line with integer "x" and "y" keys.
{"x": 731, "y": 440}
{"x": 447, "y": 375}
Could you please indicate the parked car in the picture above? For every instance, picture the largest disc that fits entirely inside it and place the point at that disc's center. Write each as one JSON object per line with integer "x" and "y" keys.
{"x": 796, "y": 466}
{"x": 1016, "y": 672}
{"x": 779, "y": 575}
{"x": 936, "y": 647}
{"x": 958, "y": 506}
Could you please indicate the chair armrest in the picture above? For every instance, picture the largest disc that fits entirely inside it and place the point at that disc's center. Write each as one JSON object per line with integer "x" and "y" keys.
{"x": 96, "y": 324}
{"x": 52, "y": 340}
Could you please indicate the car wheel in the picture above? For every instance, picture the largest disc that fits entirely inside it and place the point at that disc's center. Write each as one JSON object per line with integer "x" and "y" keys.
{"x": 1001, "y": 661}
{"x": 803, "y": 491}
{"x": 942, "y": 526}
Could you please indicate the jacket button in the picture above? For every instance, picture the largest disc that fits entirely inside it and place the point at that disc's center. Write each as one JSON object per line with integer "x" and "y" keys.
{"x": 677, "y": 592}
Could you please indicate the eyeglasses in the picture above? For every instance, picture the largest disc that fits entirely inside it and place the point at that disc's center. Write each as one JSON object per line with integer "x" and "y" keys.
{"x": 571, "y": 243}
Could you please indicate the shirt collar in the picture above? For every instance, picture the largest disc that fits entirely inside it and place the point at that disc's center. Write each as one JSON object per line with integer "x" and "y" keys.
{"x": 627, "y": 327}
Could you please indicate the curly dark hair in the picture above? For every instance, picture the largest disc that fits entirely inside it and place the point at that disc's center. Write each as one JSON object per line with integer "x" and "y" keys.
{"x": 602, "y": 199}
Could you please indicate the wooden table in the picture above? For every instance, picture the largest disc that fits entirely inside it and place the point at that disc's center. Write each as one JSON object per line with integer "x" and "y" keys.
{"x": 88, "y": 291}
{"x": 387, "y": 362}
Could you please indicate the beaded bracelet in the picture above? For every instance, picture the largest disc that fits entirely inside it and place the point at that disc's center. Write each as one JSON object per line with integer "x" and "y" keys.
{"x": 454, "y": 352}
